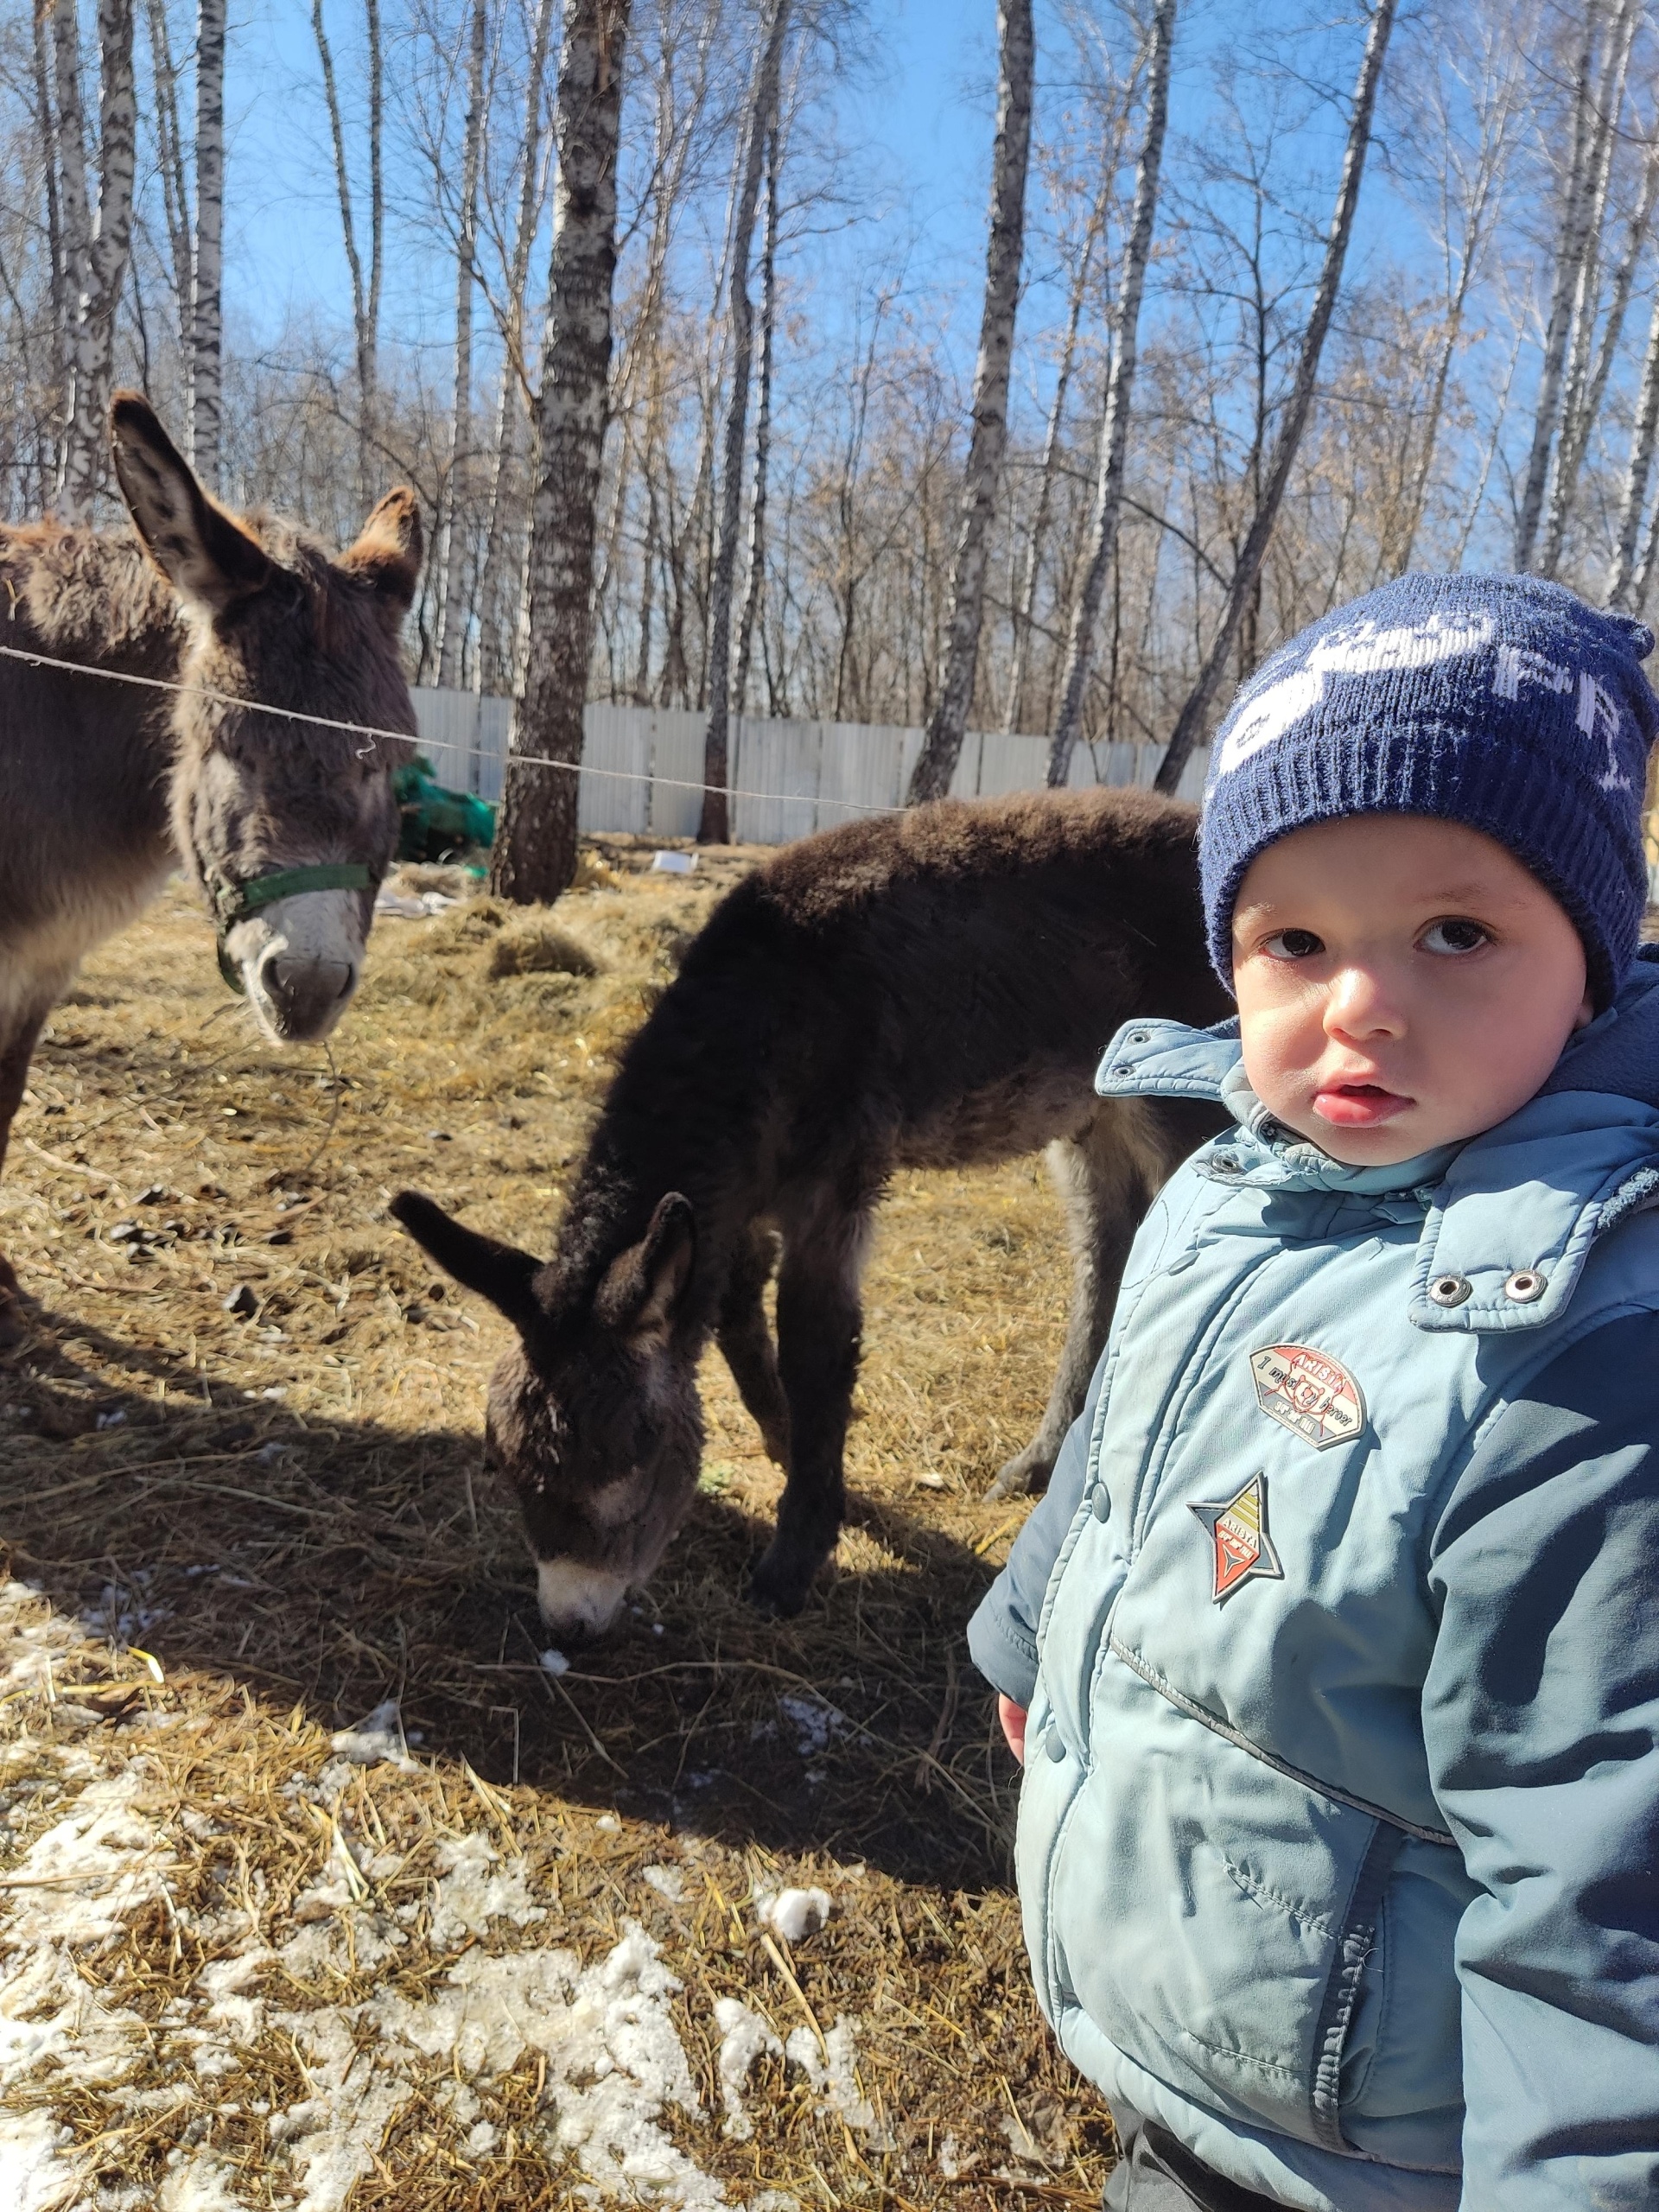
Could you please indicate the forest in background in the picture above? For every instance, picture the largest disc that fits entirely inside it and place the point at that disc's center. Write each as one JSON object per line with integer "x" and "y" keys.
{"x": 1486, "y": 393}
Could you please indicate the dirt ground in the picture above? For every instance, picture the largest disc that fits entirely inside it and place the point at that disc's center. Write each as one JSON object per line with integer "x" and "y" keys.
{"x": 503, "y": 1945}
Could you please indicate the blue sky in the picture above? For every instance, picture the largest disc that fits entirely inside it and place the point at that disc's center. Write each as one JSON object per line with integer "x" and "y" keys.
{"x": 915, "y": 118}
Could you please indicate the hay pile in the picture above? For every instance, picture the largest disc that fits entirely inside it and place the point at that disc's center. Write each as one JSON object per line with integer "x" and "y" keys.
{"x": 317, "y": 1888}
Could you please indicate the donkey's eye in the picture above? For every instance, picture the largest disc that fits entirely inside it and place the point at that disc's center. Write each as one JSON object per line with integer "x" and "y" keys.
{"x": 1292, "y": 945}
{"x": 1454, "y": 935}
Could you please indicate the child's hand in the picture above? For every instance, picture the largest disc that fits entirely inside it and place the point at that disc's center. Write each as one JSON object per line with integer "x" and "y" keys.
{"x": 1012, "y": 1717}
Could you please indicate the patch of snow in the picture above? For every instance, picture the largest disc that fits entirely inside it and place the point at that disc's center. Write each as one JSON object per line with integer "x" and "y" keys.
{"x": 375, "y": 1741}
{"x": 85, "y": 1877}
{"x": 744, "y": 2036}
{"x": 33, "y": 2178}
{"x": 204, "y": 2185}
{"x": 471, "y": 1892}
{"x": 816, "y": 1722}
{"x": 667, "y": 1882}
{"x": 834, "y": 2077}
{"x": 555, "y": 1662}
{"x": 792, "y": 1914}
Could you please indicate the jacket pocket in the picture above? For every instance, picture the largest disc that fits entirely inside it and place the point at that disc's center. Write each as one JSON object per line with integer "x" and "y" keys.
{"x": 1401, "y": 2095}
{"x": 1215, "y": 1918}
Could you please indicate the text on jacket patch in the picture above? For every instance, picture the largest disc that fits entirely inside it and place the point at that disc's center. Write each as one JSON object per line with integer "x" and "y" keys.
{"x": 1309, "y": 1393}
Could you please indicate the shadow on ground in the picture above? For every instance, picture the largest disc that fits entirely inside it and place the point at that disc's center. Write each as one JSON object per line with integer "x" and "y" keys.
{"x": 331, "y": 1565}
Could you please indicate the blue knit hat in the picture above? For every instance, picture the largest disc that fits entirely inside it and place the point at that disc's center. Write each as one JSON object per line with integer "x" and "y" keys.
{"x": 1504, "y": 703}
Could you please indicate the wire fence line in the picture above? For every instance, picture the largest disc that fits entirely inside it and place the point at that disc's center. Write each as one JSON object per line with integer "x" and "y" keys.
{"x": 640, "y": 765}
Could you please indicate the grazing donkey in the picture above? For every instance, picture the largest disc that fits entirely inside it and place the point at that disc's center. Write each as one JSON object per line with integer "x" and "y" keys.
{"x": 931, "y": 990}
{"x": 105, "y": 786}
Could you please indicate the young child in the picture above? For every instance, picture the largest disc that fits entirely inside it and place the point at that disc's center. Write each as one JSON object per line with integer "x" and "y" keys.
{"x": 1339, "y": 1842}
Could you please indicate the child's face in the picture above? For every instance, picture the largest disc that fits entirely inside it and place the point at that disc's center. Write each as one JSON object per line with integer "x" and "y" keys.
{"x": 1403, "y": 982}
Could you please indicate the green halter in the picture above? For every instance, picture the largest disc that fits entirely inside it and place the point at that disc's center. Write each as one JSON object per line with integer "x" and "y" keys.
{"x": 234, "y": 902}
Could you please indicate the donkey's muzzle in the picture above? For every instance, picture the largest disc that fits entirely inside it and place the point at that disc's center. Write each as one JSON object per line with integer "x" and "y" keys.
{"x": 304, "y": 997}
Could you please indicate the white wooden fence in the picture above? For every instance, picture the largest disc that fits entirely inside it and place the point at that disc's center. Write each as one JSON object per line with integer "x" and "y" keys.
{"x": 642, "y": 766}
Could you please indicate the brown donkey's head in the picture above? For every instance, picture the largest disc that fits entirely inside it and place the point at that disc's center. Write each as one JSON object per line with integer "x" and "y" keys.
{"x": 593, "y": 1417}
{"x": 289, "y": 827}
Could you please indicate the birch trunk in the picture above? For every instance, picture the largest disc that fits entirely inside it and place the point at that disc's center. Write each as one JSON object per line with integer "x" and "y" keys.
{"x": 54, "y": 225}
{"x": 207, "y": 261}
{"x": 1120, "y": 392}
{"x": 366, "y": 294}
{"x": 1582, "y": 396}
{"x": 757, "y": 564}
{"x": 1026, "y": 611}
{"x": 715, "y": 827}
{"x": 169, "y": 147}
{"x": 1569, "y": 255}
{"x": 948, "y": 723}
{"x": 1190, "y": 721}
{"x": 103, "y": 262}
{"x": 1623, "y": 583}
{"x": 534, "y": 854}
{"x": 452, "y": 620}
{"x": 494, "y": 662}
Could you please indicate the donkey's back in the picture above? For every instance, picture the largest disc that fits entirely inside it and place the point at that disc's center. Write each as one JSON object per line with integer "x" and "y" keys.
{"x": 948, "y": 977}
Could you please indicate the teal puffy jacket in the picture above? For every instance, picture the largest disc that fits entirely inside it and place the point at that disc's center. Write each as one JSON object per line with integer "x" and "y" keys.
{"x": 1339, "y": 1840}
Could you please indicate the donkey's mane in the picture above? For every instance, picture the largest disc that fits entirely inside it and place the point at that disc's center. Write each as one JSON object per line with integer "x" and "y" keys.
{"x": 87, "y": 595}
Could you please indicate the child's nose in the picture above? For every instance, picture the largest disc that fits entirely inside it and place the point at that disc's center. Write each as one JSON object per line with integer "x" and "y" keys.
{"x": 1360, "y": 1004}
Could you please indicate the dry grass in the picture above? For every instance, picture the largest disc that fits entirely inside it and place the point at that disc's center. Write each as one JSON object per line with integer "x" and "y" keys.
{"x": 243, "y": 1437}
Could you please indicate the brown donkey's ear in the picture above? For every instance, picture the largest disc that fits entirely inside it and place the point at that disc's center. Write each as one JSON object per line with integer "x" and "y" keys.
{"x": 203, "y": 554}
{"x": 388, "y": 552}
{"x": 501, "y": 1273}
{"x": 643, "y": 1287}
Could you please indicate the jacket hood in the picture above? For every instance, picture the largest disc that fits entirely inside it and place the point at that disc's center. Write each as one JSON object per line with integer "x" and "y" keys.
{"x": 1509, "y": 1216}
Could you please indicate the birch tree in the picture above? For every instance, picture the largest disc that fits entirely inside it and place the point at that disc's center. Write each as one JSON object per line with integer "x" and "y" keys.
{"x": 1247, "y": 567}
{"x": 96, "y": 243}
{"x": 1026, "y": 611}
{"x": 757, "y": 561}
{"x": 1120, "y": 391}
{"x": 535, "y": 852}
{"x": 57, "y": 295}
{"x": 494, "y": 665}
{"x": 714, "y": 827}
{"x": 206, "y": 246}
{"x": 1626, "y": 582}
{"x": 453, "y": 615}
{"x": 1572, "y": 245}
{"x": 1581, "y": 398}
{"x": 365, "y": 286}
{"x": 948, "y": 723}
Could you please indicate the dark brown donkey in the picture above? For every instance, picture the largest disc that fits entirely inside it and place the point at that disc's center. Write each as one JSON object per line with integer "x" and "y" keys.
{"x": 105, "y": 786}
{"x": 931, "y": 990}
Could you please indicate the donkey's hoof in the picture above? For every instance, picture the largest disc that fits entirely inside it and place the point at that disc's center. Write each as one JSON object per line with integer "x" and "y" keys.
{"x": 1025, "y": 1475}
{"x": 779, "y": 1586}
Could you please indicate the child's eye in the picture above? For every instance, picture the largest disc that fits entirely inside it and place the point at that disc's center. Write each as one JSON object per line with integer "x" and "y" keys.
{"x": 1292, "y": 945}
{"x": 1454, "y": 935}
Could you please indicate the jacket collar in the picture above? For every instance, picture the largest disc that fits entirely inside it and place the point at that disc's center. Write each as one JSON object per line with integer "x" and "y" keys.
{"x": 1508, "y": 1218}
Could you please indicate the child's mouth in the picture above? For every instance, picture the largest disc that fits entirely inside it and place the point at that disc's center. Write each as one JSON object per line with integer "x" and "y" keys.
{"x": 1358, "y": 1105}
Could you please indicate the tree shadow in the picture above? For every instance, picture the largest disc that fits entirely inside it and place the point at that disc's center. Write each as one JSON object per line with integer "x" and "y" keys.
{"x": 332, "y": 1564}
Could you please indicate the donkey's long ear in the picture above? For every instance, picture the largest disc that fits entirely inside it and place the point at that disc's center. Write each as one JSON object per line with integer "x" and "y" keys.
{"x": 387, "y": 554}
{"x": 501, "y": 1273}
{"x": 204, "y": 555}
{"x": 643, "y": 1286}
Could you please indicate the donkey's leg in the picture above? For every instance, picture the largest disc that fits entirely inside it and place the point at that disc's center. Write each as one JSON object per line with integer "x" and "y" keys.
{"x": 819, "y": 1321}
{"x": 16, "y": 1047}
{"x": 1105, "y": 1176}
{"x": 745, "y": 1341}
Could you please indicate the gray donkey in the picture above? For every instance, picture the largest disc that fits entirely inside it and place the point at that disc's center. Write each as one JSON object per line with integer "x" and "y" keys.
{"x": 105, "y": 786}
{"x": 931, "y": 990}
